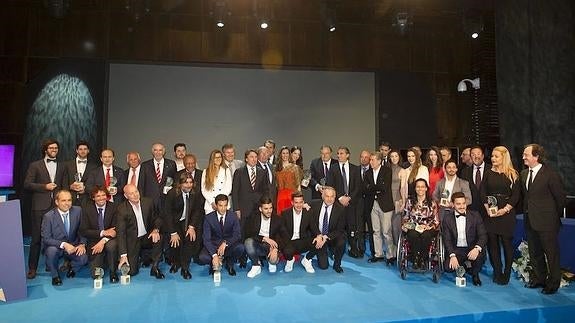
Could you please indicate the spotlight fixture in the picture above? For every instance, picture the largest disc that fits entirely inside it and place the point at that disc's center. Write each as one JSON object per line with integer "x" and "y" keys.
{"x": 219, "y": 12}
{"x": 462, "y": 87}
{"x": 331, "y": 28}
{"x": 263, "y": 12}
{"x": 474, "y": 35}
{"x": 263, "y": 24}
{"x": 57, "y": 8}
{"x": 328, "y": 14}
{"x": 402, "y": 21}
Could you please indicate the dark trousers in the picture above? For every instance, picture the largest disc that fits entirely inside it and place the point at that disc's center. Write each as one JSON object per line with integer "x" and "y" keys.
{"x": 544, "y": 244}
{"x": 297, "y": 246}
{"x": 231, "y": 255}
{"x": 145, "y": 250}
{"x": 182, "y": 255}
{"x": 420, "y": 242}
{"x": 366, "y": 223}
{"x": 53, "y": 255}
{"x": 108, "y": 256}
{"x": 36, "y": 235}
{"x": 461, "y": 254}
{"x": 494, "y": 243}
{"x": 354, "y": 228}
{"x": 336, "y": 245}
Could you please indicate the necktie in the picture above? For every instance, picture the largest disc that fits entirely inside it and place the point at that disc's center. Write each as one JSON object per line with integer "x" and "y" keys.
{"x": 458, "y": 215}
{"x": 267, "y": 173}
{"x": 222, "y": 223}
{"x": 253, "y": 178}
{"x": 325, "y": 170}
{"x": 133, "y": 178}
{"x": 185, "y": 212}
{"x": 345, "y": 184}
{"x": 363, "y": 170}
{"x": 81, "y": 161}
{"x": 66, "y": 223}
{"x": 478, "y": 176}
{"x": 325, "y": 222}
{"x": 51, "y": 160}
{"x": 100, "y": 219}
{"x": 108, "y": 177}
{"x": 530, "y": 180}
{"x": 158, "y": 174}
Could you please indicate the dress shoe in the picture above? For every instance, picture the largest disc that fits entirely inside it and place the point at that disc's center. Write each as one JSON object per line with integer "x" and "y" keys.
{"x": 155, "y": 271}
{"x": 174, "y": 269}
{"x": 549, "y": 290}
{"x": 390, "y": 261}
{"x": 496, "y": 277}
{"x": 31, "y": 274}
{"x": 534, "y": 284}
{"x": 56, "y": 281}
{"x": 231, "y": 270}
{"x": 146, "y": 263}
{"x": 353, "y": 254}
{"x": 243, "y": 262}
{"x": 66, "y": 266}
{"x": 476, "y": 280}
{"x": 375, "y": 259}
{"x": 338, "y": 269}
{"x": 186, "y": 274}
{"x": 113, "y": 277}
{"x": 71, "y": 273}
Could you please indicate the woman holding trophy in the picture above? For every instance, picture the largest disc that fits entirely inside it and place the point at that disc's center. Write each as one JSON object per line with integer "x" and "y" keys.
{"x": 289, "y": 176}
{"x": 500, "y": 194}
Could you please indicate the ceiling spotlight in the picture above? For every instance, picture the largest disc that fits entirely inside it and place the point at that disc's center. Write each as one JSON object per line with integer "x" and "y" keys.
{"x": 219, "y": 12}
{"x": 220, "y": 24}
{"x": 402, "y": 22}
{"x": 331, "y": 28}
{"x": 474, "y": 35}
{"x": 264, "y": 25}
{"x": 462, "y": 87}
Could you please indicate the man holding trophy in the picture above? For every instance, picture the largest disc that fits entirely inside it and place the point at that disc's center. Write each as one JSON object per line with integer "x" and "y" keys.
{"x": 109, "y": 176}
{"x": 448, "y": 185}
{"x": 76, "y": 173}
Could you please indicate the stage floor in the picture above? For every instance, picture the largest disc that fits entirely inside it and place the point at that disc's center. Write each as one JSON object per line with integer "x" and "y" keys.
{"x": 363, "y": 293}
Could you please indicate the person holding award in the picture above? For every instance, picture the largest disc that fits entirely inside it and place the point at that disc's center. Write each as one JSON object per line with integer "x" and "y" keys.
{"x": 108, "y": 176}
{"x": 500, "y": 194}
{"x": 288, "y": 176}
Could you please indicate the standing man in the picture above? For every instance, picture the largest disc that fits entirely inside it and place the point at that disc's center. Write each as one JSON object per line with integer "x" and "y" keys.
{"x": 43, "y": 178}
{"x": 296, "y": 233}
{"x": 384, "y": 149}
{"x": 191, "y": 170}
{"x": 445, "y": 154}
{"x": 161, "y": 168}
{"x": 136, "y": 174}
{"x": 364, "y": 161}
{"x": 61, "y": 238}
{"x": 264, "y": 164}
{"x": 271, "y": 147}
{"x": 179, "y": 153}
{"x": 229, "y": 152}
{"x": 449, "y": 185}
{"x": 76, "y": 173}
{"x": 319, "y": 169}
{"x": 543, "y": 201}
{"x": 474, "y": 176}
{"x": 105, "y": 175}
{"x": 465, "y": 161}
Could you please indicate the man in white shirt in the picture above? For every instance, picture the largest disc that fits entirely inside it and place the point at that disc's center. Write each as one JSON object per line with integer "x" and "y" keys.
{"x": 179, "y": 153}
{"x": 263, "y": 235}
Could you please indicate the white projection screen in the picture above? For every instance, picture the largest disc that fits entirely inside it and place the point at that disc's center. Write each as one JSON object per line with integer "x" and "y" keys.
{"x": 205, "y": 107}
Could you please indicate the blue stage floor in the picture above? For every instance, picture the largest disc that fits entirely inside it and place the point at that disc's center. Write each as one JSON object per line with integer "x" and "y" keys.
{"x": 364, "y": 293}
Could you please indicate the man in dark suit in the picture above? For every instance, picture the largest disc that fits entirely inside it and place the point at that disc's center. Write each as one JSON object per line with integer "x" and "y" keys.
{"x": 267, "y": 167}
{"x": 76, "y": 173}
{"x": 105, "y": 175}
{"x": 364, "y": 166}
{"x": 137, "y": 175}
{"x": 191, "y": 170}
{"x": 161, "y": 168}
{"x": 385, "y": 149}
{"x": 43, "y": 178}
{"x": 474, "y": 176}
{"x": 328, "y": 228}
{"x": 543, "y": 201}
{"x": 378, "y": 199}
{"x": 61, "y": 238}
{"x": 222, "y": 237}
{"x": 183, "y": 215}
{"x": 346, "y": 179}
{"x": 138, "y": 229}
{"x": 296, "y": 232}
{"x": 263, "y": 235}
{"x": 319, "y": 169}
{"x": 99, "y": 228}
{"x": 464, "y": 237}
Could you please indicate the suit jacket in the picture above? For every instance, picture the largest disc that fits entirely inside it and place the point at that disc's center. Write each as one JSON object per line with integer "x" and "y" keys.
{"x": 127, "y": 225}
{"x": 235, "y": 165}
{"x": 36, "y": 178}
{"x": 70, "y": 170}
{"x": 336, "y": 220}
{"x": 254, "y": 223}
{"x": 213, "y": 234}
{"x": 335, "y": 179}
{"x": 474, "y": 231}
{"x": 155, "y": 189}
{"x": 197, "y": 178}
{"x": 89, "y": 226}
{"x": 317, "y": 173}
{"x": 174, "y": 207}
{"x": 468, "y": 174}
{"x": 54, "y": 231}
{"x": 145, "y": 179}
{"x": 460, "y": 185}
{"x": 380, "y": 189}
{"x": 273, "y": 185}
{"x": 287, "y": 224}
{"x": 97, "y": 176}
{"x": 244, "y": 197}
{"x": 545, "y": 200}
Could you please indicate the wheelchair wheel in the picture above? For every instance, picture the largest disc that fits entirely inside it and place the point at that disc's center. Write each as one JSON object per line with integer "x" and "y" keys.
{"x": 436, "y": 276}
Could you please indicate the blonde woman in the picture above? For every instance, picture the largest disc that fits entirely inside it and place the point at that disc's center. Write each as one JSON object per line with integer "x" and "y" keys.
{"x": 216, "y": 179}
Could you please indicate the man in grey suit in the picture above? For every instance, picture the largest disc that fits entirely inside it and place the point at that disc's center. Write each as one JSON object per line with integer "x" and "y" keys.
{"x": 43, "y": 178}
{"x": 229, "y": 152}
{"x": 450, "y": 184}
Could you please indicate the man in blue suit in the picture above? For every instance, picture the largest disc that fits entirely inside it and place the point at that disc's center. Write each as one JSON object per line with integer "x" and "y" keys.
{"x": 222, "y": 237}
{"x": 61, "y": 238}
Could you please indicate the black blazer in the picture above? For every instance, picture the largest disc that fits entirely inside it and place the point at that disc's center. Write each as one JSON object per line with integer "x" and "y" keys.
{"x": 244, "y": 197}
{"x": 545, "y": 200}
{"x": 174, "y": 206}
{"x": 381, "y": 189}
{"x": 97, "y": 177}
{"x": 145, "y": 179}
{"x": 336, "y": 220}
{"x": 335, "y": 180}
{"x": 154, "y": 190}
{"x": 468, "y": 174}
{"x": 127, "y": 225}
{"x": 89, "y": 225}
{"x": 36, "y": 178}
{"x": 287, "y": 224}
{"x": 254, "y": 223}
{"x": 272, "y": 186}
{"x": 70, "y": 170}
{"x": 474, "y": 231}
{"x": 317, "y": 173}
{"x": 197, "y": 178}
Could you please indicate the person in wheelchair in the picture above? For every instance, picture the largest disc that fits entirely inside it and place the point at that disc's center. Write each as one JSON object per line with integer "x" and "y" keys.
{"x": 420, "y": 223}
{"x": 464, "y": 238}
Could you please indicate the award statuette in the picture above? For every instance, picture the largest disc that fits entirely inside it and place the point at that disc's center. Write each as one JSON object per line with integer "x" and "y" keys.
{"x": 460, "y": 279}
{"x": 98, "y": 274}
{"x": 492, "y": 206}
{"x": 78, "y": 181}
{"x": 112, "y": 189}
{"x": 218, "y": 272}
{"x": 125, "y": 278}
{"x": 169, "y": 183}
{"x": 306, "y": 178}
{"x": 445, "y": 198}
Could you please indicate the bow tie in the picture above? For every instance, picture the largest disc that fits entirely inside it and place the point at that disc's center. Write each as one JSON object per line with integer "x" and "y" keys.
{"x": 458, "y": 215}
{"x": 82, "y": 161}
{"x": 51, "y": 160}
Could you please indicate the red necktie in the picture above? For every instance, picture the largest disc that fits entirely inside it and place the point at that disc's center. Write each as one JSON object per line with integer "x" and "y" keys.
{"x": 108, "y": 177}
{"x": 158, "y": 174}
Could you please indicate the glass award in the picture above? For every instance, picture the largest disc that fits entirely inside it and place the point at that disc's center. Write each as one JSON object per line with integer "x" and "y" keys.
{"x": 98, "y": 275}
{"x": 78, "y": 182}
{"x": 125, "y": 277}
{"x": 445, "y": 198}
{"x": 218, "y": 272}
{"x": 460, "y": 279}
{"x": 112, "y": 189}
{"x": 169, "y": 183}
{"x": 306, "y": 178}
{"x": 492, "y": 206}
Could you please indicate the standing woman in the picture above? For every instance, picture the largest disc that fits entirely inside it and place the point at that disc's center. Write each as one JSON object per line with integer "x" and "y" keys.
{"x": 434, "y": 163}
{"x": 415, "y": 171}
{"x": 288, "y": 177}
{"x": 396, "y": 174}
{"x": 216, "y": 179}
{"x": 500, "y": 182}
{"x": 296, "y": 156}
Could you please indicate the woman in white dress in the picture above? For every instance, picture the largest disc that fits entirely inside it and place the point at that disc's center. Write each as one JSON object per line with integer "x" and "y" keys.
{"x": 216, "y": 179}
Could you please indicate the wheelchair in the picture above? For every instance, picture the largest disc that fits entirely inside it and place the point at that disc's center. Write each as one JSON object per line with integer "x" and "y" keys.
{"x": 434, "y": 262}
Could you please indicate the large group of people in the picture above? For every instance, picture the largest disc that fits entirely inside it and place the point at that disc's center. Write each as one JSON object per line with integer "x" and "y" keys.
{"x": 254, "y": 209}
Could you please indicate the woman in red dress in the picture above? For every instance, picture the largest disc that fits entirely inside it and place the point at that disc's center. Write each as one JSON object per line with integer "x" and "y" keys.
{"x": 289, "y": 176}
{"x": 434, "y": 164}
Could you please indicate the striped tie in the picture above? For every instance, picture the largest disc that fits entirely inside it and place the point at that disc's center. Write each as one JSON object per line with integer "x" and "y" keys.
{"x": 253, "y": 178}
{"x": 158, "y": 174}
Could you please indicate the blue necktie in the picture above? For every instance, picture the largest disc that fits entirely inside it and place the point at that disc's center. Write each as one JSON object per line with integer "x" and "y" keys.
{"x": 325, "y": 223}
{"x": 66, "y": 223}
{"x": 100, "y": 219}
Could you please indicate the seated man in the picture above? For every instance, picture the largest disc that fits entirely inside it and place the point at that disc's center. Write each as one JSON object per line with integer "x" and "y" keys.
{"x": 99, "y": 228}
{"x": 222, "y": 237}
{"x": 262, "y": 232}
{"x": 61, "y": 238}
{"x": 464, "y": 237}
{"x": 296, "y": 233}
{"x": 138, "y": 230}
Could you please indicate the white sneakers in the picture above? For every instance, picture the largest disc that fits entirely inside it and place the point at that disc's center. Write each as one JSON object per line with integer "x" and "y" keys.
{"x": 272, "y": 268}
{"x": 306, "y": 263}
{"x": 256, "y": 270}
{"x": 289, "y": 265}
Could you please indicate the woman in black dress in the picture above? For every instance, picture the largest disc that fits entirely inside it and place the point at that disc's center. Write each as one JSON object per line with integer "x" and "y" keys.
{"x": 500, "y": 194}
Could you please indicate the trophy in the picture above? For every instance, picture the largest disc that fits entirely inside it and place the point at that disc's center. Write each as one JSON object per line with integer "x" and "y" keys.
{"x": 98, "y": 274}
{"x": 444, "y": 198}
{"x": 125, "y": 278}
{"x": 78, "y": 181}
{"x": 492, "y": 206}
{"x": 306, "y": 178}
{"x": 112, "y": 189}
{"x": 460, "y": 279}
{"x": 218, "y": 272}
{"x": 168, "y": 186}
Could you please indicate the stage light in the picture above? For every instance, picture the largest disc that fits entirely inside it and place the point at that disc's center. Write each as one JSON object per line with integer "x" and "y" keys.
{"x": 220, "y": 24}
{"x": 474, "y": 35}
{"x": 332, "y": 28}
{"x": 263, "y": 25}
{"x": 475, "y": 83}
{"x": 219, "y": 11}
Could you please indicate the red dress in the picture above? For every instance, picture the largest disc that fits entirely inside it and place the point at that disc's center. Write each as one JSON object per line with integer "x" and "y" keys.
{"x": 435, "y": 175}
{"x": 288, "y": 181}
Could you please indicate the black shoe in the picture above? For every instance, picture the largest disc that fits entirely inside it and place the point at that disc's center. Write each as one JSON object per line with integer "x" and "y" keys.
{"x": 549, "y": 290}
{"x": 146, "y": 263}
{"x": 243, "y": 262}
{"x": 476, "y": 280}
{"x": 338, "y": 269}
{"x": 56, "y": 281}
{"x": 155, "y": 271}
{"x": 375, "y": 259}
{"x": 31, "y": 274}
{"x": 66, "y": 266}
{"x": 496, "y": 277}
{"x": 534, "y": 284}
{"x": 186, "y": 274}
{"x": 174, "y": 269}
{"x": 231, "y": 270}
{"x": 353, "y": 254}
{"x": 71, "y": 273}
{"x": 361, "y": 253}
{"x": 391, "y": 261}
